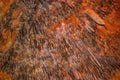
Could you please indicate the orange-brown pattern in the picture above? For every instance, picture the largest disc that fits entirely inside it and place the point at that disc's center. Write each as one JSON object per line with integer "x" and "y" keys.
{"x": 4, "y": 7}
{"x": 59, "y": 40}
{"x": 4, "y": 76}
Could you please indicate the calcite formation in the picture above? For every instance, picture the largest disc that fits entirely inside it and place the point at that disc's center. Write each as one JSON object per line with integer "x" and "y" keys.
{"x": 59, "y": 40}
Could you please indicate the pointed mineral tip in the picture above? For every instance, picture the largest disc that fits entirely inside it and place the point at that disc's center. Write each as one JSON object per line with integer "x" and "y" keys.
{"x": 95, "y": 17}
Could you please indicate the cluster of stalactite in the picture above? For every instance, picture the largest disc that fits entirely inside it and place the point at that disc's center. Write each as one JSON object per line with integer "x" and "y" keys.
{"x": 59, "y": 40}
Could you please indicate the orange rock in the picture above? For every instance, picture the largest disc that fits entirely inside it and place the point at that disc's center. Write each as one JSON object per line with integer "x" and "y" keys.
{"x": 76, "y": 74}
{"x": 92, "y": 14}
{"x": 69, "y": 20}
{"x": 16, "y": 18}
{"x": 4, "y": 76}
{"x": 8, "y": 39}
{"x": 67, "y": 77}
{"x": 4, "y": 7}
{"x": 116, "y": 76}
{"x": 69, "y": 2}
{"x": 112, "y": 21}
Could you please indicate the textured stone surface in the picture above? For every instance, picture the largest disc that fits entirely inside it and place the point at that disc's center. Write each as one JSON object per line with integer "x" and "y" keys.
{"x": 4, "y": 7}
{"x": 59, "y": 40}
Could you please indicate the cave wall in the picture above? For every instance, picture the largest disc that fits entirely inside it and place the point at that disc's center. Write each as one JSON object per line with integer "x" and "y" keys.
{"x": 59, "y": 40}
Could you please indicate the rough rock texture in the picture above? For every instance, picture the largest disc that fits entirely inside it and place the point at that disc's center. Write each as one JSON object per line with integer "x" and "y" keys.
{"x": 59, "y": 40}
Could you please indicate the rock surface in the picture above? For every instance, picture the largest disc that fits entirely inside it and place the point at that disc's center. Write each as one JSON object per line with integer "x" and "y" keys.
{"x": 59, "y": 40}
